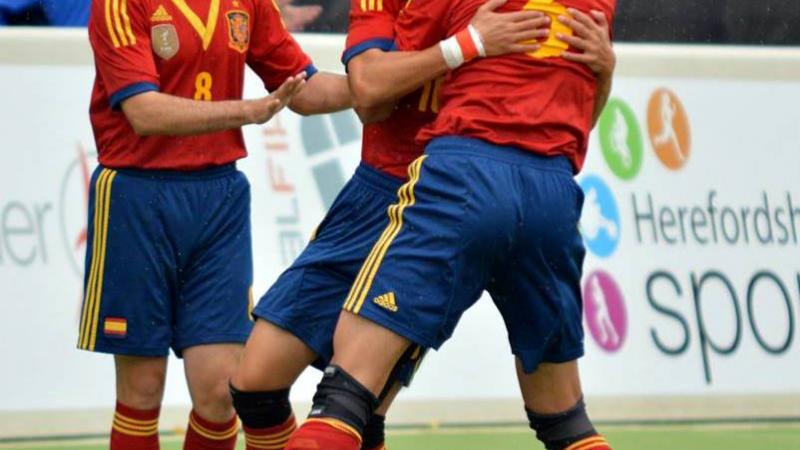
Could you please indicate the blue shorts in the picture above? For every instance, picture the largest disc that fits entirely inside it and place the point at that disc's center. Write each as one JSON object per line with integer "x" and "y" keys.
{"x": 475, "y": 217}
{"x": 169, "y": 261}
{"x": 306, "y": 300}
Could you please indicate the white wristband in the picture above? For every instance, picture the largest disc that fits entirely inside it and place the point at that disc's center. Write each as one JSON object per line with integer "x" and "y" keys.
{"x": 453, "y": 56}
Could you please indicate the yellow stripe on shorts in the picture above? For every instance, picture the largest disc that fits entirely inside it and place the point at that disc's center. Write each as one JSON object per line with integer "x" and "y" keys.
{"x": 366, "y": 276}
{"x": 94, "y": 285}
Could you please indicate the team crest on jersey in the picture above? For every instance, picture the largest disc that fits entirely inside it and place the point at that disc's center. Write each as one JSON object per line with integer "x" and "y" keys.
{"x": 165, "y": 40}
{"x": 238, "y": 30}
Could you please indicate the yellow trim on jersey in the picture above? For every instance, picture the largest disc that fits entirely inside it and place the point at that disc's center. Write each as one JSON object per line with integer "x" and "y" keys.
{"x": 127, "y": 23}
{"x": 366, "y": 276}
{"x": 339, "y": 425}
{"x": 110, "y": 27}
{"x": 118, "y": 23}
{"x": 211, "y": 434}
{"x": 278, "y": 8}
{"x": 206, "y": 31}
{"x": 94, "y": 287}
{"x": 371, "y": 5}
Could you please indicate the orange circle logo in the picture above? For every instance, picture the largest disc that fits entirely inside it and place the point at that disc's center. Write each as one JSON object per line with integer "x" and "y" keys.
{"x": 668, "y": 126}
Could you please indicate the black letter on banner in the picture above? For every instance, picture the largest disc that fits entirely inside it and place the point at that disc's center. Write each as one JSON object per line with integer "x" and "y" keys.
{"x": 668, "y": 312}
{"x": 697, "y": 287}
{"x": 750, "y": 291}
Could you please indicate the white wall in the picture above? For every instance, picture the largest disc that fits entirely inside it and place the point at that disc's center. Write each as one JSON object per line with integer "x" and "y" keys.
{"x": 745, "y": 141}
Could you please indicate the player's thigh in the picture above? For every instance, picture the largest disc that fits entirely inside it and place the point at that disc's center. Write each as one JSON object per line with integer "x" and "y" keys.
{"x": 208, "y": 370}
{"x": 140, "y": 380}
{"x": 304, "y": 303}
{"x": 129, "y": 278}
{"x": 367, "y": 350}
{"x": 551, "y": 388}
{"x": 537, "y": 287}
{"x": 432, "y": 261}
{"x": 273, "y": 359}
{"x": 217, "y": 274}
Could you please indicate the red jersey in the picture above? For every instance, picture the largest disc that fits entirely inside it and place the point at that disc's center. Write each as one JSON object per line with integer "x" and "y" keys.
{"x": 195, "y": 49}
{"x": 391, "y": 145}
{"x": 537, "y": 102}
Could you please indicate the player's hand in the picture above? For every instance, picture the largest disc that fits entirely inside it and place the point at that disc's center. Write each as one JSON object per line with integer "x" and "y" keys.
{"x": 592, "y": 37}
{"x": 509, "y": 32}
{"x": 262, "y": 110}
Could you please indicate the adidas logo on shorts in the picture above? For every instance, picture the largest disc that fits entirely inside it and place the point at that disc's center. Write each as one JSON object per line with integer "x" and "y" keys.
{"x": 386, "y": 301}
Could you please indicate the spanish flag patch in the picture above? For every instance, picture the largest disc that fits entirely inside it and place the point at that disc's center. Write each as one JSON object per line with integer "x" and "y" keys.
{"x": 115, "y": 327}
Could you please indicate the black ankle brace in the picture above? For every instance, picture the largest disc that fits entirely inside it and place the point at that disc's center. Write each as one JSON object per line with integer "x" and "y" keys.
{"x": 559, "y": 431}
{"x": 374, "y": 432}
{"x": 340, "y": 396}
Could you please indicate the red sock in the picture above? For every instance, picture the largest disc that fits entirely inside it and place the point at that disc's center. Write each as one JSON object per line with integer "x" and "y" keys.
{"x": 272, "y": 438}
{"x": 134, "y": 429}
{"x": 325, "y": 434}
{"x": 203, "y": 434}
{"x": 596, "y": 442}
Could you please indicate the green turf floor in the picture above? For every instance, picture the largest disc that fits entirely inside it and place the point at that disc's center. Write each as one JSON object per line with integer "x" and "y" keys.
{"x": 623, "y": 438}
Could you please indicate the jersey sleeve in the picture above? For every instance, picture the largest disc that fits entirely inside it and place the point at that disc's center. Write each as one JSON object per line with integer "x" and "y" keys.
{"x": 274, "y": 54}
{"x": 422, "y": 24}
{"x": 371, "y": 26}
{"x": 118, "y": 33}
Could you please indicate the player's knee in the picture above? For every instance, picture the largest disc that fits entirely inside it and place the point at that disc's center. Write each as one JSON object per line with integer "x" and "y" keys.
{"x": 213, "y": 402}
{"x": 559, "y": 431}
{"x": 342, "y": 397}
{"x": 261, "y": 409}
{"x": 143, "y": 390}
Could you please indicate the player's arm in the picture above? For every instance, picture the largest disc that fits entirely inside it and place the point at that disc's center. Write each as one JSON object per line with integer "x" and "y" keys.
{"x": 593, "y": 40}
{"x": 378, "y": 77}
{"x": 125, "y": 64}
{"x": 154, "y": 113}
{"x": 323, "y": 93}
{"x": 274, "y": 55}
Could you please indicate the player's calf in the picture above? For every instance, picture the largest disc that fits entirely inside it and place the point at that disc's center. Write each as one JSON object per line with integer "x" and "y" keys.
{"x": 569, "y": 430}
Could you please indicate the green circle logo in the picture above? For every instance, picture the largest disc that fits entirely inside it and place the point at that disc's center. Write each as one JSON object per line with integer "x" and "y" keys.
{"x": 621, "y": 139}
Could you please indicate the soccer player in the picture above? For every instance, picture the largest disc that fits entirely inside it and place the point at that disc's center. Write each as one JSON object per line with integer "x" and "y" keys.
{"x": 492, "y": 205}
{"x": 170, "y": 264}
{"x": 297, "y": 316}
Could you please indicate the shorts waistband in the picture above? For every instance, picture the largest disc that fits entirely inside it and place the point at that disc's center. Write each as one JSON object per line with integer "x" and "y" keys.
{"x": 514, "y": 155}
{"x": 157, "y": 174}
{"x": 378, "y": 179}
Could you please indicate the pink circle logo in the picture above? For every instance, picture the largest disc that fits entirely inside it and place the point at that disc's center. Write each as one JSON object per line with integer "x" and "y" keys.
{"x": 604, "y": 307}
